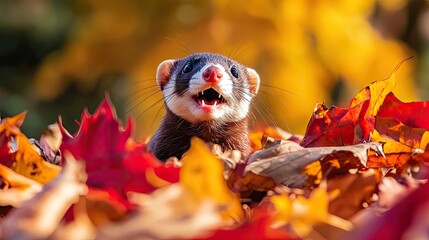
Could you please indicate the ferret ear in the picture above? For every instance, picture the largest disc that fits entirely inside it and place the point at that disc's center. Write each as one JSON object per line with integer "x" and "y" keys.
{"x": 254, "y": 80}
{"x": 163, "y": 72}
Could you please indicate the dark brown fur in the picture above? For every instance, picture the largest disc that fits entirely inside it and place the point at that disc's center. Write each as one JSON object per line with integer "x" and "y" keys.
{"x": 174, "y": 135}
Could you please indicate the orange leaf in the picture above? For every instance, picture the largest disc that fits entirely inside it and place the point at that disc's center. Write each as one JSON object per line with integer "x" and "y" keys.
{"x": 394, "y": 129}
{"x": 17, "y": 187}
{"x": 21, "y": 156}
{"x": 252, "y": 181}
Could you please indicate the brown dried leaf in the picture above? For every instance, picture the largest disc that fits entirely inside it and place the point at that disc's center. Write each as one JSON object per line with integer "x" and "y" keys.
{"x": 351, "y": 191}
{"x": 285, "y": 163}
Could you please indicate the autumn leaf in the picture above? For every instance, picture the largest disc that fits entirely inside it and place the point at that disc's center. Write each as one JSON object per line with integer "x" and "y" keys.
{"x": 302, "y": 214}
{"x": 413, "y": 137}
{"x": 115, "y": 164}
{"x": 17, "y": 188}
{"x": 49, "y": 144}
{"x": 337, "y": 126}
{"x": 349, "y": 192}
{"x": 399, "y": 221}
{"x": 258, "y": 227}
{"x": 390, "y": 191}
{"x": 413, "y": 114}
{"x": 376, "y": 92}
{"x": 331, "y": 126}
{"x": 172, "y": 212}
{"x": 401, "y": 144}
{"x": 252, "y": 181}
{"x": 202, "y": 174}
{"x": 285, "y": 163}
{"x": 19, "y": 154}
{"x": 46, "y": 209}
{"x": 257, "y": 136}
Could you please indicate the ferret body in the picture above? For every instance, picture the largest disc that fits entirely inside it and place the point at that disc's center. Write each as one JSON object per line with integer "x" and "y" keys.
{"x": 208, "y": 96}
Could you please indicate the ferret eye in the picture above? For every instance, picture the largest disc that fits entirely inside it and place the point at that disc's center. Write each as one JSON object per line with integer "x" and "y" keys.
{"x": 234, "y": 71}
{"x": 188, "y": 67}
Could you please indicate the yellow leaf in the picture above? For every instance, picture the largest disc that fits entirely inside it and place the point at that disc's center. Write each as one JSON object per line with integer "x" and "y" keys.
{"x": 380, "y": 89}
{"x": 302, "y": 213}
{"x": 202, "y": 174}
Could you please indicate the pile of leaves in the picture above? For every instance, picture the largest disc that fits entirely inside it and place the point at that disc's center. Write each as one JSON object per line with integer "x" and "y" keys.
{"x": 357, "y": 173}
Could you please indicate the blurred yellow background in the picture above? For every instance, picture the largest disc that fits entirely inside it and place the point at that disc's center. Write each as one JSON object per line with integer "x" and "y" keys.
{"x": 57, "y": 57}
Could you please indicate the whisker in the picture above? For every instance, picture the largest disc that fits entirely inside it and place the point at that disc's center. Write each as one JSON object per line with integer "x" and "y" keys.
{"x": 257, "y": 109}
{"x": 143, "y": 89}
{"x": 141, "y": 81}
{"x": 153, "y": 92}
{"x": 151, "y": 106}
{"x": 267, "y": 107}
{"x": 239, "y": 49}
{"x": 281, "y": 89}
{"x": 185, "y": 47}
{"x": 156, "y": 116}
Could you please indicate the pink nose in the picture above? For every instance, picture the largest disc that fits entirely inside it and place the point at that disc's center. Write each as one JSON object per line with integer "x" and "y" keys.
{"x": 212, "y": 75}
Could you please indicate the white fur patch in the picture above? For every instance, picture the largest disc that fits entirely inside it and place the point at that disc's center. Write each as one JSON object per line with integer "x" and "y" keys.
{"x": 186, "y": 107}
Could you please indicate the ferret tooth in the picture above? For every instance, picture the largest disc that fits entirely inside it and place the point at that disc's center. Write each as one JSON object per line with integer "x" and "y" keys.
{"x": 215, "y": 102}
{"x": 202, "y": 102}
{"x": 220, "y": 95}
{"x": 202, "y": 93}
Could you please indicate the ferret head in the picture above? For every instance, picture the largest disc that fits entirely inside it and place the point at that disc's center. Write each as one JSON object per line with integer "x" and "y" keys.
{"x": 204, "y": 87}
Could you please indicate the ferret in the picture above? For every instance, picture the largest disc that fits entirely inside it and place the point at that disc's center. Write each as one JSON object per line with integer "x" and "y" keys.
{"x": 208, "y": 96}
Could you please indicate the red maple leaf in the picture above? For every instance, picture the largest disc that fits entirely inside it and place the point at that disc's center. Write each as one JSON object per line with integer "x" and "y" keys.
{"x": 336, "y": 126}
{"x": 114, "y": 163}
{"x": 413, "y": 114}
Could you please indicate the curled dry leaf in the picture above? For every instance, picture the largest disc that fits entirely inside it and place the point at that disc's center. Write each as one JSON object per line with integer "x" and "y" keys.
{"x": 49, "y": 144}
{"x": 285, "y": 163}
{"x": 230, "y": 157}
{"x": 45, "y": 210}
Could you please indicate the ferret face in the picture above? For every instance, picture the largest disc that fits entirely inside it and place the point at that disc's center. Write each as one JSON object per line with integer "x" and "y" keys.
{"x": 204, "y": 87}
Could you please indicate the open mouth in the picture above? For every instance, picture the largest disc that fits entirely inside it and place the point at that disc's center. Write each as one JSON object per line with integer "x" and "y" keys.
{"x": 209, "y": 97}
